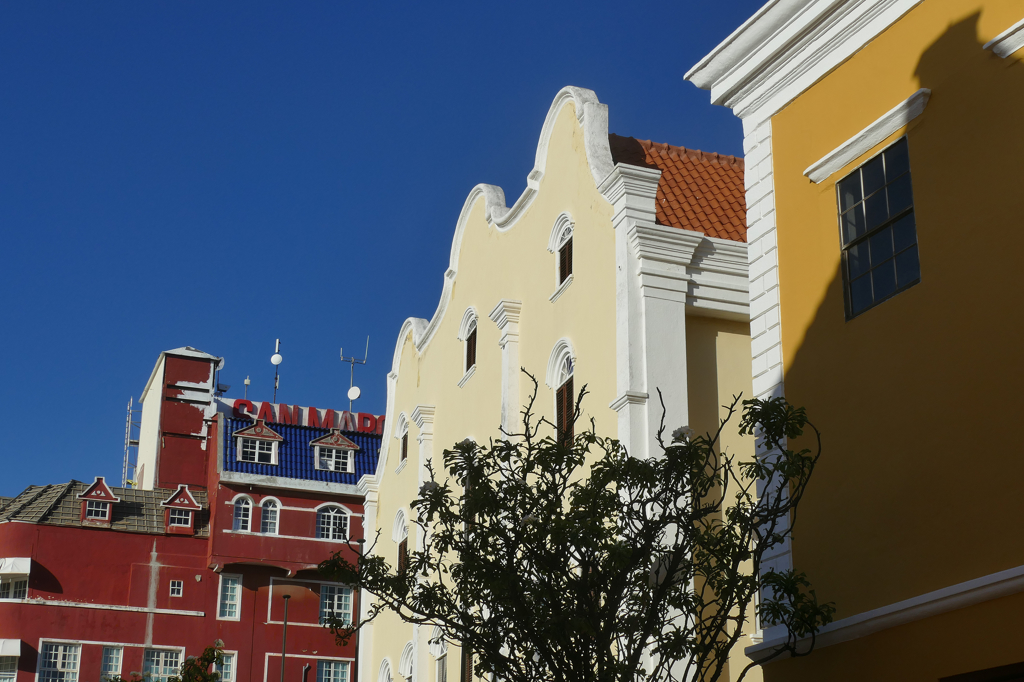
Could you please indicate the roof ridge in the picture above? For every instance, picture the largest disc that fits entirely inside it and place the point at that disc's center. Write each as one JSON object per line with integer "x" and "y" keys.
{"x": 10, "y": 510}
{"x": 57, "y": 498}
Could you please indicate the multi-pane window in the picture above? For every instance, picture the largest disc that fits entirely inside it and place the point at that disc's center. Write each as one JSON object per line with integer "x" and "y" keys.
{"x": 160, "y": 664}
{"x": 59, "y": 662}
{"x": 471, "y": 347}
{"x": 879, "y": 235}
{"x": 226, "y": 668}
{"x": 331, "y": 671}
{"x": 255, "y": 450}
{"x": 8, "y": 668}
{"x": 13, "y": 587}
{"x": 95, "y": 509}
{"x": 332, "y": 523}
{"x": 230, "y": 596}
{"x": 268, "y": 517}
{"x": 565, "y": 406}
{"x": 334, "y": 459}
{"x": 177, "y": 588}
{"x": 243, "y": 513}
{"x": 111, "y": 662}
{"x": 335, "y": 602}
{"x": 181, "y": 517}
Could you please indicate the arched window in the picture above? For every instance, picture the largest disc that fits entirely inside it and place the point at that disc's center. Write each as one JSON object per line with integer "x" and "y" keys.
{"x": 467, "y": 334}
{"x": 561, "y": 366}
{"x": 439, "y": 650}
{"x": 560, "y": 243}
{"x": 268, "y": 517}
{"x": 402, "y": 433}
{"x": 332, "y": 523}
{"x": 243, "y": 514}
{"x": 400, "y": 534}
{"x": 405, "y": 663}
{"x": 385, "y": 671}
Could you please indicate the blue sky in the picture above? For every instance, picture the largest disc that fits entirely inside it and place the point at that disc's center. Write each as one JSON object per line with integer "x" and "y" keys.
{"x": 223, "y": 174}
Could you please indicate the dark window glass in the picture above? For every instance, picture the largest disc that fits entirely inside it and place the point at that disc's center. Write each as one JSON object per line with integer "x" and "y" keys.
{"x": 565, "y": 261}
{"x": 877, "y": 229}
{"x": 471, "y": 350}
{"x": 405, "y": 446}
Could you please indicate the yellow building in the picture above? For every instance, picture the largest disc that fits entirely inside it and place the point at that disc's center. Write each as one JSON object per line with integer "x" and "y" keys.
{"x": 622, "y": 266}
{"x": 883, "y": 140}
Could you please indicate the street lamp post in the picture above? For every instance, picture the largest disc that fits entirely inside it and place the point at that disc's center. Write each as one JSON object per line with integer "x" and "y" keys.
{"x": 284, "y": 635}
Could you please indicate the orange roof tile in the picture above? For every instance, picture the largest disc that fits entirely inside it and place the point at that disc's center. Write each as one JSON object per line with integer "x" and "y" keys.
{"x": 698, "y": 191}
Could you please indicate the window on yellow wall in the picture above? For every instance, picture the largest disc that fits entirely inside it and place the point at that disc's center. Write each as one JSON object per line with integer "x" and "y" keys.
{"x": 877, "y": 229}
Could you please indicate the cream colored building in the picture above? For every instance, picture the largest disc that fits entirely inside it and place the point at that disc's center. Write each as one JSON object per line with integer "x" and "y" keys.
{"x": 652, "y": 294}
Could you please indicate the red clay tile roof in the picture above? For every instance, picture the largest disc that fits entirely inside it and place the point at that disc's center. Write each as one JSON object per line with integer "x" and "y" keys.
{"x": 698, "y": 191}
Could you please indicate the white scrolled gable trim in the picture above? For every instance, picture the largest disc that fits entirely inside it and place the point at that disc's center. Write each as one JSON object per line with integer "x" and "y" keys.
{"x": 469, "y": 319}
{"x": 1009, "y": 41}
{"x": 562, "y": 348}
{"x": 555, "y": 240}
{"x": 861, "y": 143}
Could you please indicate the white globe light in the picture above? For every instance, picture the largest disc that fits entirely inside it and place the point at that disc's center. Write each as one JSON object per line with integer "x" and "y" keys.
{"x": 354, "y": 393}
{"x": 276, "y": 359}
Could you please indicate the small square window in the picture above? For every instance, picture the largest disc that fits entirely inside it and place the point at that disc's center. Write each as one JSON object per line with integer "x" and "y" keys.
{"x": 177, "y": 587}
{"x": 877, "y": 230}
{"x": 334, "y": 459}
{"x": 255, "y": 450}
{"x": 97, "y": 510}
{"x": 181, "y": 517}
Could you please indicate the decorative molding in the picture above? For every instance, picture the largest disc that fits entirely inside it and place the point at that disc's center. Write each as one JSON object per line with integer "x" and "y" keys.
{"x": 469, "y": 318}
{"x": 561, "y": 289}
{"x": 400, "y": 526}
{"x": 423, "y": 415}
{"x": 961, "y": 595}
{"x": 283, "y": 483}
{"x": 104, "y": 607}
{"x": 506, "y": 315}
{"x": 629, "y": 398}
{"x": 786, "y": 47}
{"x": 1009, "y": 41}
{"x": 466, "y": 377}
{"x": 563, "y": 223}
{"x": 562, "y": 348}
{"x": 868, "y": 138}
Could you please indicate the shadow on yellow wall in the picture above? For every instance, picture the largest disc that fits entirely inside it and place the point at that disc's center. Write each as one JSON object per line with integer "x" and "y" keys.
{"x": 919, "y": 398}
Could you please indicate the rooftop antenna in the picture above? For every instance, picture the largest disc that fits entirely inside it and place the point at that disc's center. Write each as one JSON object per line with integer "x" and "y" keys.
{"x": 247, "y": 382}
{"x": 275, "y": 360}
{"x": 353, "y": 390}
{"x": 131, "y": 445}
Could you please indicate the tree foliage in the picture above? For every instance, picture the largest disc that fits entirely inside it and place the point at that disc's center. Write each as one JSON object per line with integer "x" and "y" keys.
{"x": 578, "y": 562}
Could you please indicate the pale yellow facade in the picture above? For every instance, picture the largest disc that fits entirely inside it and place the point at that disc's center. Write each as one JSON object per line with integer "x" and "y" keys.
{"x": 503, "y": 273}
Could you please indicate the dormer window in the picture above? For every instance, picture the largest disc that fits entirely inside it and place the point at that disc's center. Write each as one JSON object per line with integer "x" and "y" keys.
{"x": 257, "y": 444}
{"x": 97, "y": 503}
{"x": 334, "y": 452}
{"x": 181, "y": 511}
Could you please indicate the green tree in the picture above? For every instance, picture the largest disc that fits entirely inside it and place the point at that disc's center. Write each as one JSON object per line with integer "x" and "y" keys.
{"x": 567, "y": 560}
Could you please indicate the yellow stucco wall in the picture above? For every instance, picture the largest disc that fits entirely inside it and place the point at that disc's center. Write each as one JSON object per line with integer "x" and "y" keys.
{"x": 919, "y": 485}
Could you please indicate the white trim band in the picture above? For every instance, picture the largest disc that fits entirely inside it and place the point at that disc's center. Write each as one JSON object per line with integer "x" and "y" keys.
{"x": 1009, "y": 41}
{"x": 969, "y": 593}
{"x": 861, "y": 143}
{"x": 104, "y": 607}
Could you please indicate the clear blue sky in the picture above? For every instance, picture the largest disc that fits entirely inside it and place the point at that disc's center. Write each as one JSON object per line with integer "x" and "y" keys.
{"x": 223, "y": 174}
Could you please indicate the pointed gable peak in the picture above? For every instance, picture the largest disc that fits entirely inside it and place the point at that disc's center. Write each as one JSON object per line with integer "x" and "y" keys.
{"x": 99, "y": 491}
{"x": 259, "y": 430}
{"x": 182, "y": 499}
{"x": 334, "y": 439}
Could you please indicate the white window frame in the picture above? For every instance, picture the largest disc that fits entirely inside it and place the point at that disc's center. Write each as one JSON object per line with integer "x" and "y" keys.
{"x": 563, "y": 230}
{"x": 330, "y": 596}
{"x": 235, "y": 505}
{"x": 320, "y": 670}
{"x": 239, "y": 447}
{"x": 349, "y": 463}
{"x": 221, "y": 603}
{"x": 187, "y": 519}
{"x": 13, "y": 586}
{"x": 470, "y": 324}
{"x": 163, "y": 653}
{"x": 62, "y": 672}
{"x": 407, "y": 661}
{"x": 232, "y": 669}
{"x": 93, "y": 507}
{"x": 104, "y": 672}
{"x": 323, "y": 510}
{"x": 179, "y": 585}
{"x": 11, "y": 673}
{"x": 263, "y": 516}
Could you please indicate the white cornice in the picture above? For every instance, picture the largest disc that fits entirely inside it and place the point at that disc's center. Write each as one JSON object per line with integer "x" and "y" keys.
{"x": 289, "y": 483}
{"x": 423, "y": 414}
{"x": 861, "y": 143}
{"x": 788, "y": 46}
{"x": 969, "y": 593}
{"x": 1009, "y": 41}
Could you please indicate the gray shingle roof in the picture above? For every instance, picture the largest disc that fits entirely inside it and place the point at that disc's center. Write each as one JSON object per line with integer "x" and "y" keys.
{"x": 139, "y": 511}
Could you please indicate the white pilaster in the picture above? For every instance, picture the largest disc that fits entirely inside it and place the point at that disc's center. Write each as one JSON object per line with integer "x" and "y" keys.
{"x": 506, "y": 316}
{"x": 364, "y": 640}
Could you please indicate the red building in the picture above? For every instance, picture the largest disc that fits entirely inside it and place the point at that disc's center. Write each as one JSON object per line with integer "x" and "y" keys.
{"x": 234, "y": 505}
